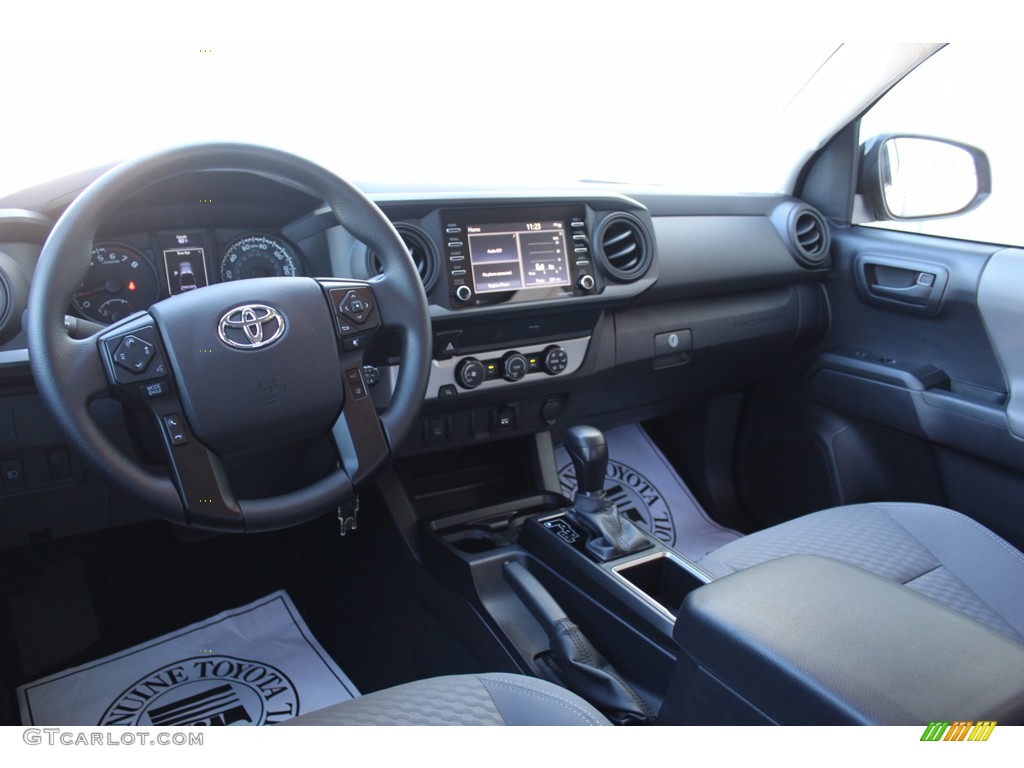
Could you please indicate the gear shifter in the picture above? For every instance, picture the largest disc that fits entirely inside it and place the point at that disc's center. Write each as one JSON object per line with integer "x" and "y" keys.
{"x": 612, "y": 535}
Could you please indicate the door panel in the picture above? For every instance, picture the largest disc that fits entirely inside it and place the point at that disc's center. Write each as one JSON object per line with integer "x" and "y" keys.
{"x": 916, "y": 393}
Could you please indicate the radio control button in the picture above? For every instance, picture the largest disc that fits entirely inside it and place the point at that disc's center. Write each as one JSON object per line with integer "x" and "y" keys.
{"x": 586, "y": 282}
{"x": 464, "y": 293}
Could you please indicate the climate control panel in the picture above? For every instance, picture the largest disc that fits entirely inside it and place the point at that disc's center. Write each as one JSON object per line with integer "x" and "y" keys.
{"x": 505, "y": 367}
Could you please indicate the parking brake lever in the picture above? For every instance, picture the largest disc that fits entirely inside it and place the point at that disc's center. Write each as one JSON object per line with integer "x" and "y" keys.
{"x": 584, "y": 670}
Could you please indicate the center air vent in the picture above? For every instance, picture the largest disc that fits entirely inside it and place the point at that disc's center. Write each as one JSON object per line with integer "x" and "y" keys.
{"x": 423, "y": 253}
{"x": 623, "y": 247}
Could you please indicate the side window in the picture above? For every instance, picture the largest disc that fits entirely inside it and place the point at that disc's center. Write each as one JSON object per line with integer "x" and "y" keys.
{"x": 963, "y": 94}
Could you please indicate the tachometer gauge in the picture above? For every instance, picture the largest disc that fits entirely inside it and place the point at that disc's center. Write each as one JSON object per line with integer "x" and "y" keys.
{"x": 120, "y": 281}
{"x": 258, "y": 255}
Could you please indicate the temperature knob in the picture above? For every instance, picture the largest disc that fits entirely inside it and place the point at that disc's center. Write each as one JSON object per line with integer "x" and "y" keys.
{"x": 470, "y": 373}
{"x": 514, "y": 366}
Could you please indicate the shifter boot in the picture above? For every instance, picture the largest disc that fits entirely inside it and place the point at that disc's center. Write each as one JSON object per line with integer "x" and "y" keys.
{"x": 612, "y": 535}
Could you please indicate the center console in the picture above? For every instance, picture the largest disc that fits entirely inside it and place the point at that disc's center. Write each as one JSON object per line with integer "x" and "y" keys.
{"x": 801, "y": 640}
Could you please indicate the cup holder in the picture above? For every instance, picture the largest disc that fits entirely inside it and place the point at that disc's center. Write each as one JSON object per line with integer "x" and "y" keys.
{"x": 662, "y": 579}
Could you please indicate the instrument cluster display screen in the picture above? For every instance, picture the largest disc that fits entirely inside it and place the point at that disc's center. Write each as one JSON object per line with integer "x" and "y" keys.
{"x": 518, "y": 256}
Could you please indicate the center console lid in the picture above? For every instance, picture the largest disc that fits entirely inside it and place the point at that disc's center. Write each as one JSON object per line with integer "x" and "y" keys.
{"x": 809, "y": 641}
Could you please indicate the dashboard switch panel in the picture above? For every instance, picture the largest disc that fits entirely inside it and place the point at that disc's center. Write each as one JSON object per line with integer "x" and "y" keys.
{"x": 505, "y": 367}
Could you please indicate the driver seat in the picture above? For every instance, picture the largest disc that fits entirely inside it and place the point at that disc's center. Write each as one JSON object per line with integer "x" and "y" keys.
{"x": 483, "y": 699}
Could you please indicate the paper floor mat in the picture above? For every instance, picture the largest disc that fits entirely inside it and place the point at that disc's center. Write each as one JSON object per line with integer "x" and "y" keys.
{"x": 647, "y": 489}
{"x": 254, "y": 665}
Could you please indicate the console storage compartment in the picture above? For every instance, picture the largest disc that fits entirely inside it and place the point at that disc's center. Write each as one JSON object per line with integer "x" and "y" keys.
{"x": 805, "y": 640}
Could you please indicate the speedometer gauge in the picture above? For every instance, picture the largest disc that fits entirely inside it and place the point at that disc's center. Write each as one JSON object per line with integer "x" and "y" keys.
{"x": 120, "y": 281}
{"x": 258, "y": 255}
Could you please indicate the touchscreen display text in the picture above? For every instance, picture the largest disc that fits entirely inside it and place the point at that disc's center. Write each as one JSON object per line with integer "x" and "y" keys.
{"x": 522, "y": 255}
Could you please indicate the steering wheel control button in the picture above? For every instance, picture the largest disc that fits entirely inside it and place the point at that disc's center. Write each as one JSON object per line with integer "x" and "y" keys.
{"x": 153, "y": 389}
{"x": 251, "y": 326}
{"x": 354, "y": 344}
{"x": 356, "y": 386}
{"x": 354, "y": 310}
{"x": 355, "y": 307}
{"x": 514, "y": 366}
{"x": 175, "y": 429}
{"x": 371, "y": 375}
{"x": 556, "y": 360}
{"x": 470, "y": 373}
{"x": 133, "y": 354}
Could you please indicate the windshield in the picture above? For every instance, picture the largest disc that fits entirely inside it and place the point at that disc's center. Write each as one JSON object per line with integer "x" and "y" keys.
{"x": 690, "y": 118}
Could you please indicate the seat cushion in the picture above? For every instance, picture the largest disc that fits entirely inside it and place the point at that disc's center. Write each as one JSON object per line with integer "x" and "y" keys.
{"x": 938, "y": 552}
{"x": 487, "y": 699}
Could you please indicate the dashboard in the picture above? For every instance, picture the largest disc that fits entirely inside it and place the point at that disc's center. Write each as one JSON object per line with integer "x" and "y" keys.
{"x": 548, "y": 307}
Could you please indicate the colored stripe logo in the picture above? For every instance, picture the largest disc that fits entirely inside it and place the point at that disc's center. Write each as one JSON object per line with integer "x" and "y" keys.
{"x": 961, "y": 730}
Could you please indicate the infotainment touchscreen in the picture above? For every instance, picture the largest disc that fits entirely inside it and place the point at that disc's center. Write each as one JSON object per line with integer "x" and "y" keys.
{"x": 518, "y": 256}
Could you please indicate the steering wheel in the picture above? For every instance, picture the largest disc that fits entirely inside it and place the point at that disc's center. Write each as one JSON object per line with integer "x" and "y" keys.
{"x": 232, "y": 366}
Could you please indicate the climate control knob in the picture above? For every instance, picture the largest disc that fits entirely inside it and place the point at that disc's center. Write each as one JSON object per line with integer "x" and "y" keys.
{"x": 514, "y": 366}
{"x": 470, "y": 373}
{"x": 555, "y": 360}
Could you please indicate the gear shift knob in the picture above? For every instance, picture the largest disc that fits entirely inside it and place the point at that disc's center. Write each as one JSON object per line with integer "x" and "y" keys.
{"x": 589, "y": 453}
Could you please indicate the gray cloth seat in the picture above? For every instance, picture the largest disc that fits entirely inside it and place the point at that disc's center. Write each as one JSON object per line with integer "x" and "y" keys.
{"x": 938, "y": 552}
{"x": 486, "y": 699}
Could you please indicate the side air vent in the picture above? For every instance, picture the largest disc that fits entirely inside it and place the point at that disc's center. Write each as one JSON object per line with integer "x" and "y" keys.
{"x": 805, "y": 233}
{"x": 623, "y": 247}
{"x": 424, "y": 255}
{"x": 810, "y": 234}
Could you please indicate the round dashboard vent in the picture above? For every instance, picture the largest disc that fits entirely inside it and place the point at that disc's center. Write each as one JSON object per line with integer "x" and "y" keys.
{"x": 422, "y": 250}
{"x": 810, "y": 236}
{"x": 624, "y": 247}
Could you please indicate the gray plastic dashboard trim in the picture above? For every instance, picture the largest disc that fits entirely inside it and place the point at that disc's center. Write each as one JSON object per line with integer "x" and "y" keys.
{"x": 12, "y": 358}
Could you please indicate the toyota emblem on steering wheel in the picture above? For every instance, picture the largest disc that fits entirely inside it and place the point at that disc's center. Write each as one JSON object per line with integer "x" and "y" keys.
{"x": 251, "y": 326}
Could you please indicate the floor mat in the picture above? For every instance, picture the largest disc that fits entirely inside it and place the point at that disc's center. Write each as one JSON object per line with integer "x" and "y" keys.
{"x": 254, "y": 665}
{"x": 647, "y": 489}
{"x": 55, "y": 619}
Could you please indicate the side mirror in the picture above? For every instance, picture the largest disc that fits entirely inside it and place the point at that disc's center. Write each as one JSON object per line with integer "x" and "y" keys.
{"x": 906, "y": 177}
